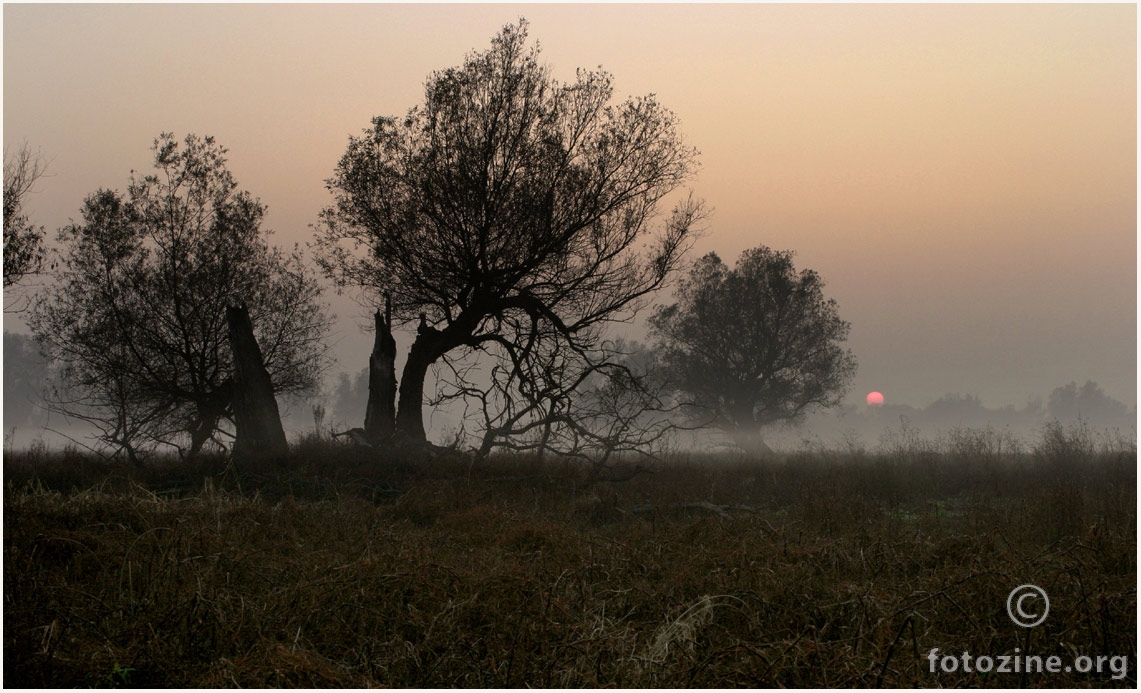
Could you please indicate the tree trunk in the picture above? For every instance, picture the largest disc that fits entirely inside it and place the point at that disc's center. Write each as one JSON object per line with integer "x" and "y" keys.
{"x": 380, "y": 414}
{"x": 410, "y": 413}
{"x": 429, "y": 346}
{"x": 200, "y": 433}
{"x": 256, "y": 416}
{"x": 751, "y": 441}
{"x": 123, "y": 437}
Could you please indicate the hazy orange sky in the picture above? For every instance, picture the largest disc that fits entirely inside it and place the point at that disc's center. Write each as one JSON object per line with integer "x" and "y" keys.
{"x": 963, "y": 176}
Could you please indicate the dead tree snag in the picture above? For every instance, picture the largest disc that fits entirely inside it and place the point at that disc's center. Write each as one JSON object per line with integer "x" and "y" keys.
{"x": 380, "y": 414}
{"x": 256, "y": 416}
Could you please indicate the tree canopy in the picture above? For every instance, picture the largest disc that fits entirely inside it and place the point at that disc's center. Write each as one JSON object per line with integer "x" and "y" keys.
{"x": 508, "y": 210}
{"x": 23, "y": 240}
{"x": 753, "y": 345}
{"x": 1087, "y": 403}
{"x": 137, "y": 315}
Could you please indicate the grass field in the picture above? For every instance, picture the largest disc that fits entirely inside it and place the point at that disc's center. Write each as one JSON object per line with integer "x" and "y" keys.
{"x": 337, "y": 569}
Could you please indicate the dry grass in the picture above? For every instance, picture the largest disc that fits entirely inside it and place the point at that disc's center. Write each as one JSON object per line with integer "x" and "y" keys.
{"x": 338, "y": 570}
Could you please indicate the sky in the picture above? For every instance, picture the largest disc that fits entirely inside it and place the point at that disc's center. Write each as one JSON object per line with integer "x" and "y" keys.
{"x": 963, "y": 177}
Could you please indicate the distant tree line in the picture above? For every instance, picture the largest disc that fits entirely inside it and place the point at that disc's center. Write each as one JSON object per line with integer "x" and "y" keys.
{"x": 1069, "y": 405}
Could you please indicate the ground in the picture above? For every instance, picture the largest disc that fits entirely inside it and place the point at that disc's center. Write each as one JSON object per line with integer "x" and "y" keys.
{"x": 333, "y": 568}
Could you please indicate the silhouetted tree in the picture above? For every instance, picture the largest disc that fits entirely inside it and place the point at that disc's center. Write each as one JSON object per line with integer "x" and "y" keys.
{"x": 23, "y": 241}
{"x": 753, "y": 345}
{"x": 507, "y": 211}
{"x": 1088, "y": 403}
{"x": 137, "y": 315}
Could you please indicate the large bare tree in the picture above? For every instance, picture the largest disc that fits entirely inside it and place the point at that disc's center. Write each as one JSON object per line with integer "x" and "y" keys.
{"x": 508, "y": 211}
{"x": 136, "y": 316}
{"x": 753, "y": 345}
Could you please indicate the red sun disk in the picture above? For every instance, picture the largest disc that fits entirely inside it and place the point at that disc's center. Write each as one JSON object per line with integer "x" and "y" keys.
{"x": 875, "y": 399}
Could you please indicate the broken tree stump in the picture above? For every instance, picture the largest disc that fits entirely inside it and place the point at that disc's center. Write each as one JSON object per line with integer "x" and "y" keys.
{"x": 256, "y": 417}
{"x": 380, "y": 414}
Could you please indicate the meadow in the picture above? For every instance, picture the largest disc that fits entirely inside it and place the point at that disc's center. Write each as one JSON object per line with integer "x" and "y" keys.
{"x": 343, "y": 568}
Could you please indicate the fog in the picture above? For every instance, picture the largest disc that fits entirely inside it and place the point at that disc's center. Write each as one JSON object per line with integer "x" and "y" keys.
{"x": 29, "y": 420}
{"x": 963, "y": 177}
